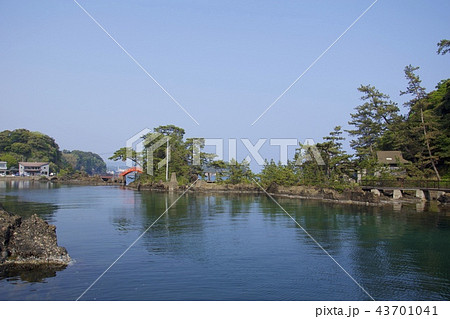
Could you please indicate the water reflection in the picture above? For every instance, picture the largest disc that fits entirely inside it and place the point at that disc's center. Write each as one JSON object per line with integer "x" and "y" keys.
{"x": 238, "y": 247}
{"x": 420, "y": 207}
{"x": 26, "y": 184}
{"x": 25, "y": 209}
{"x": 398, "y": 247}
{"x": 397, "y": 207}
{"x": 29, "y": 273}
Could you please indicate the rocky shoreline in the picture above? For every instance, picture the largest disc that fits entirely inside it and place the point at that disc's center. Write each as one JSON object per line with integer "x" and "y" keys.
{"x": 351, "y": 196}
{"x": 354, "y": 196}
{"x": 89, "y": 180}
{"x": 30, "y": 243}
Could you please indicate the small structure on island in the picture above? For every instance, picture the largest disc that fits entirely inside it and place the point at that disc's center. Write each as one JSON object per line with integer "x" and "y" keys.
{"x": 211, "y": 173}
{"x": 34, "y": 169}
{"x": 391, "y": 158}
{"x": 173, "y": 183}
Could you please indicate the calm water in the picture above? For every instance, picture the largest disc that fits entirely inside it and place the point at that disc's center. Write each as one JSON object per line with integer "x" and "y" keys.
{"x": 229, "y": 247}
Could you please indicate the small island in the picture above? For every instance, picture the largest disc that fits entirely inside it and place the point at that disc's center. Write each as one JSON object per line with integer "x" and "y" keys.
{"x": 29, "y": 244}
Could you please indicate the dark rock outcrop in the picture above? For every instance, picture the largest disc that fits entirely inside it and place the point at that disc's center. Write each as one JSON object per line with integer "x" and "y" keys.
{"x": 361, "y": 196}
{"x": 28, "y": 242}
{"x": 444, "y": 199}
{"x": 273, "y": 188}
{"x": 8, "y": 222}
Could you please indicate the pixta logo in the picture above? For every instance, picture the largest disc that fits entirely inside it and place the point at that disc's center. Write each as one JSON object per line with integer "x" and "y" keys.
{"x": 307, "y": 151}
{"x": 140, "y": 149}
{"x": 142, "y": 146}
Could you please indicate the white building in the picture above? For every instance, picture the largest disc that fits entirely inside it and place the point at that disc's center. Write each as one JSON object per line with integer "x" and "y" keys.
{"x": 3, "y": 167}
{"x": 34, "y": 169}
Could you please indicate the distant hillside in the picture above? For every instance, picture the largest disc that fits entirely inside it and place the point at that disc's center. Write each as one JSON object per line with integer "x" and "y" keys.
{"x": 88, "y": 162}
{"x": 22, "y": 145}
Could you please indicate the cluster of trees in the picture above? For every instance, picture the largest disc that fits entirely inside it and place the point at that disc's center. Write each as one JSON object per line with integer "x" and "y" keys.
{"x": 180, "y": 153}
{"x": 327, "y": 164}
{"x": 22, "y": 145}
{"x": 421, "y": 132}
{"x": 88, "y": 162}
{"x": 182, "y": 158}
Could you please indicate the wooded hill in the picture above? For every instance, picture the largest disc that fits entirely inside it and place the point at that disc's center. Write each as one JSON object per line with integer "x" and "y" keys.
{"x": 22, "y": 145}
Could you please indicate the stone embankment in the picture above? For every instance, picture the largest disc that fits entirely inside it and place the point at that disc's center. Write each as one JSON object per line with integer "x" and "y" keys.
{"x": 351, "y": 196}
{"x": 304, "y": 192}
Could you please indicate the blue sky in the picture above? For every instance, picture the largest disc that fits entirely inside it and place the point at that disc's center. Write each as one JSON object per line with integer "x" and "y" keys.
{"x": 224, "y": 61}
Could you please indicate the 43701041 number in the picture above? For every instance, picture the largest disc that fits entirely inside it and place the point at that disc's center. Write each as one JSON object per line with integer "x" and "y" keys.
{"x": 407, "y": 310}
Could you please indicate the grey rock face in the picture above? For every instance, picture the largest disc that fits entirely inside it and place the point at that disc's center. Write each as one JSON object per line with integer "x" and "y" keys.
{"x": 8, "y": 222}
{"x": 29, "y": 241}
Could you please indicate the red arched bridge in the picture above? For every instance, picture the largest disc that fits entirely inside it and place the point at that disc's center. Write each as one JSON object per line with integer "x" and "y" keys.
{"x": 131, "y": 170}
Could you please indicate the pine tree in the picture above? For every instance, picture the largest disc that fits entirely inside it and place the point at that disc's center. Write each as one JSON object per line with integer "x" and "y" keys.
{"x": 443, "y": 47}
{"x": 426, "y": 117}
{"x": 335, "y": 158}
{"x": 371, "y": 121}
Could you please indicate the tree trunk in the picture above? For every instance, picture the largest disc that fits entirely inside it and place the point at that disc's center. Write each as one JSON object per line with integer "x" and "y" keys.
{"x": 428, "y": 145}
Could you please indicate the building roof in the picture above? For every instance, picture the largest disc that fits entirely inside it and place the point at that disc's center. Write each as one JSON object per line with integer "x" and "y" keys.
{"x": 390, "y": 157}
{"x": 32, "y": 164}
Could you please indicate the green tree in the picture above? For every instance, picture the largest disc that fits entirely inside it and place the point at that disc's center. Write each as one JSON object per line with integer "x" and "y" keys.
{"x": 428, "y": 120}
{"x": 180, "y": 154}
{"x": 337, "y": 161}
{"x": 22, "y": 149}
{"x": 88, "y": 162}
{"x": 23, "y": 145}
{"x": 123, "y": 153}
{"x": 198, "y": 160}
{"x": 278, "y": 174}
{"x": 307, "y": 166}
{"x": 10, "y": 160}
{"x": 439, "y": 100}
{"x": 443, "y": 47}
{"x": 238, "y": 173}
{"x": 371, "y": 121}
{"x": 220, "y": 168}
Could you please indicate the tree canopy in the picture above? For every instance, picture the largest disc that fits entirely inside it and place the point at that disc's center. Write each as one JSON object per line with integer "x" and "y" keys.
{"x": 421, "y": 132}
{"x": 443, "y": 47}
{"x": 22, "y": 145}
{"x": 88, "y": 162}
{"x": 180, "y": 153}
